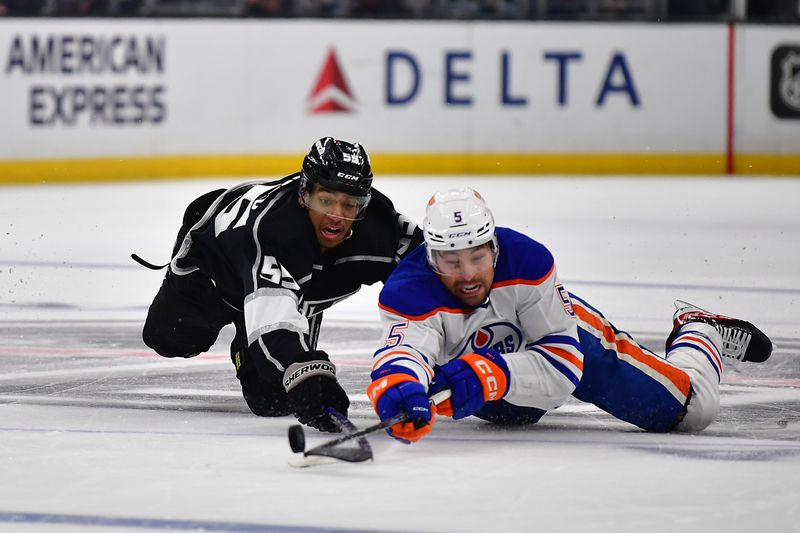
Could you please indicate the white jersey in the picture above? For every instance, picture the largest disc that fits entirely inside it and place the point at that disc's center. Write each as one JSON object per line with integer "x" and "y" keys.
{"x": 528, "y": 317}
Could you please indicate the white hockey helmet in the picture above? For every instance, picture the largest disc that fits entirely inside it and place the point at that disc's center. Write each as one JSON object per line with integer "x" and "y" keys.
{"x": 455, "y": 220}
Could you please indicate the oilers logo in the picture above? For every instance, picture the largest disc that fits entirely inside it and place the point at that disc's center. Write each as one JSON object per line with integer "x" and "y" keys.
{"x": 501, "y": 336}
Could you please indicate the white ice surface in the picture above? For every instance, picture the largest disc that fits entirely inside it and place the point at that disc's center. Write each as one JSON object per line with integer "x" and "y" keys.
{"x": 628, "y": 245}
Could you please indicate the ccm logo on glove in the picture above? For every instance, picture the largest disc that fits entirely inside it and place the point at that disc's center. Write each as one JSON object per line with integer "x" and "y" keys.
{"x": 375, "y": 388}
{"x": 473, "y": 379}
{"x": 495, "y": 384}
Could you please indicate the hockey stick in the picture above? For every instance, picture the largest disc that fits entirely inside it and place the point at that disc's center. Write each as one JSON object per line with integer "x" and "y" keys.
{"x": 331, "y": 450}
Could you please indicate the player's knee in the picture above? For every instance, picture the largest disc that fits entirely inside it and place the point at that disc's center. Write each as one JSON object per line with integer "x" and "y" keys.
{"x": 165, "y": 349}
{"x": 166, "y": 345}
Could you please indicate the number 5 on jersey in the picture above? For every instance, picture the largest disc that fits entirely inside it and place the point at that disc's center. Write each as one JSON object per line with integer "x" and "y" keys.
{"x": 396, "y": 334}
{"x": 276, "y": 274}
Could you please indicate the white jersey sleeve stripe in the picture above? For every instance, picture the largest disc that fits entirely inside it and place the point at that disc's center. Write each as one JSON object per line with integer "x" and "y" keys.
{"x": 573, "y": 361}
{"x": 407, "y": 360}
{"x": 269, "y": 309}
{"x": 559, "y": 364}
{"x": 538, "y": 379}
{"x": 402, "y": 352}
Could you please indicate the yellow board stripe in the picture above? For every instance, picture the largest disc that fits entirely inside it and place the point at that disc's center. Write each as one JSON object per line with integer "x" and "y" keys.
{"x": 134, "y": 168}
{"x": 187, "y": 166}
{"x": 550, "y": 163}
{"x": 787, "y": 165}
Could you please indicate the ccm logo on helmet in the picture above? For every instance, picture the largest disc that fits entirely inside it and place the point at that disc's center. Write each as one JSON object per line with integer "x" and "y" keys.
{"x": 459, "y": 234}
{"x": 347, "y": 176}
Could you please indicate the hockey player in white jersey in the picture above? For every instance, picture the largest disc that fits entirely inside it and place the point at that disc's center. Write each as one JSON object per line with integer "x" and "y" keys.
{"x": 480, "y": 311}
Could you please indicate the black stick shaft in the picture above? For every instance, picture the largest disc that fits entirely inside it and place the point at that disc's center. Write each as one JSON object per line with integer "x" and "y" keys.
{"x": 402, "y": 417}
{"x": 366, "y": 431}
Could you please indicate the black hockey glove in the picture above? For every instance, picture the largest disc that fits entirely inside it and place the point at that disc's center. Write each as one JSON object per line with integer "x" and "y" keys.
{"x": 311, "y": 386}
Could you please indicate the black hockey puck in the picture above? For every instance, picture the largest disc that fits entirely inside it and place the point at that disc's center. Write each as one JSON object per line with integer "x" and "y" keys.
{"x": 297, "y": 439}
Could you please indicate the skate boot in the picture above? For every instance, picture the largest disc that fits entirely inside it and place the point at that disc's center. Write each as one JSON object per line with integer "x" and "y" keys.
{"x": 741, "y": 340}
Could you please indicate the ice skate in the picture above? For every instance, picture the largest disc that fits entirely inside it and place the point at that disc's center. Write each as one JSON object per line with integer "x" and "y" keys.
{"x": 741, "y": 340}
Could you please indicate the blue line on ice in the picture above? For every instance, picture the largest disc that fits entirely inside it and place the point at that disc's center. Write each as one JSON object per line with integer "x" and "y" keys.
{"x": 163, "y": 524}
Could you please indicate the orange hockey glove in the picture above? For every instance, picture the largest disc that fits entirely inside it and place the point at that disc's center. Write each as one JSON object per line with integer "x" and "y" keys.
{"x": 473, "y": 379}
{"x": 395, "y": 390}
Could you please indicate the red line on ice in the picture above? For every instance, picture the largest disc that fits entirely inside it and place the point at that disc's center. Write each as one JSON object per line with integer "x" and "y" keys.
{"x": 146, "y": 354}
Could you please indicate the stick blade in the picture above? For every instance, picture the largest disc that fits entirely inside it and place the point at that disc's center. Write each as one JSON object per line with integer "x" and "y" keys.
{"x": 299, "y": 460}
{"x": 350, "y": 455}
{"x": 339, "y": 449}
{"x": 329, "y": 456}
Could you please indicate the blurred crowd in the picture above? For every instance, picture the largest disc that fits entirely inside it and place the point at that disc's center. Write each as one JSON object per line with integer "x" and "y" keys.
{"x": 680, "y": 10}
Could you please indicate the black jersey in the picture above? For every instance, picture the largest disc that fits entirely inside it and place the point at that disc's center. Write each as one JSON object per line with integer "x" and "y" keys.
{"x": 257, "y": 245}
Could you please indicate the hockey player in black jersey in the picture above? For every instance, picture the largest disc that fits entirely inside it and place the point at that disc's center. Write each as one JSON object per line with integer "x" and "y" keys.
{"x": 270, "y": 257}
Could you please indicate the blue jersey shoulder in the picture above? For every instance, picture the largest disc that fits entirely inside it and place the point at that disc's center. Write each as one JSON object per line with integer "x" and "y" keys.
{"x": 413, "y": 289}
{"x": 521, "y": 257}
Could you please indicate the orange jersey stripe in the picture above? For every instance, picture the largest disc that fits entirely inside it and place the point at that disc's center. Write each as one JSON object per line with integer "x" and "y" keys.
{"x": 521, "y": 281}
{"x": 456, "y": 311}
{"x": 442, "y": 309}
{"x": 560, "y": 352}
{"x": 382, "y": 358}
{"x": 676, "y": 376}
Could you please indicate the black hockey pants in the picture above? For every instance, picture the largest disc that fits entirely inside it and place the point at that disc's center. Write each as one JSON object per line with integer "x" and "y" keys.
{"x": 185, "y": 319}
{"x": 187, "y": 315}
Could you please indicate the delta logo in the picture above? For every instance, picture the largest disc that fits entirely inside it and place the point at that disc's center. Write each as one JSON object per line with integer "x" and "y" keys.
{"x": 331, "y": 93}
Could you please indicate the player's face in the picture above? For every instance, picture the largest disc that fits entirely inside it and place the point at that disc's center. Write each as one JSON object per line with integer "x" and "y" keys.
{"x": 334, "y": 203}
{"x": 331, "y": 214}
{"x": 467, "y": 274}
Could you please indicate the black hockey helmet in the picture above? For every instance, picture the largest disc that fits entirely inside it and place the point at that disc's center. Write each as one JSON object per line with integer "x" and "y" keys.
{"x": 337, "y": 166}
